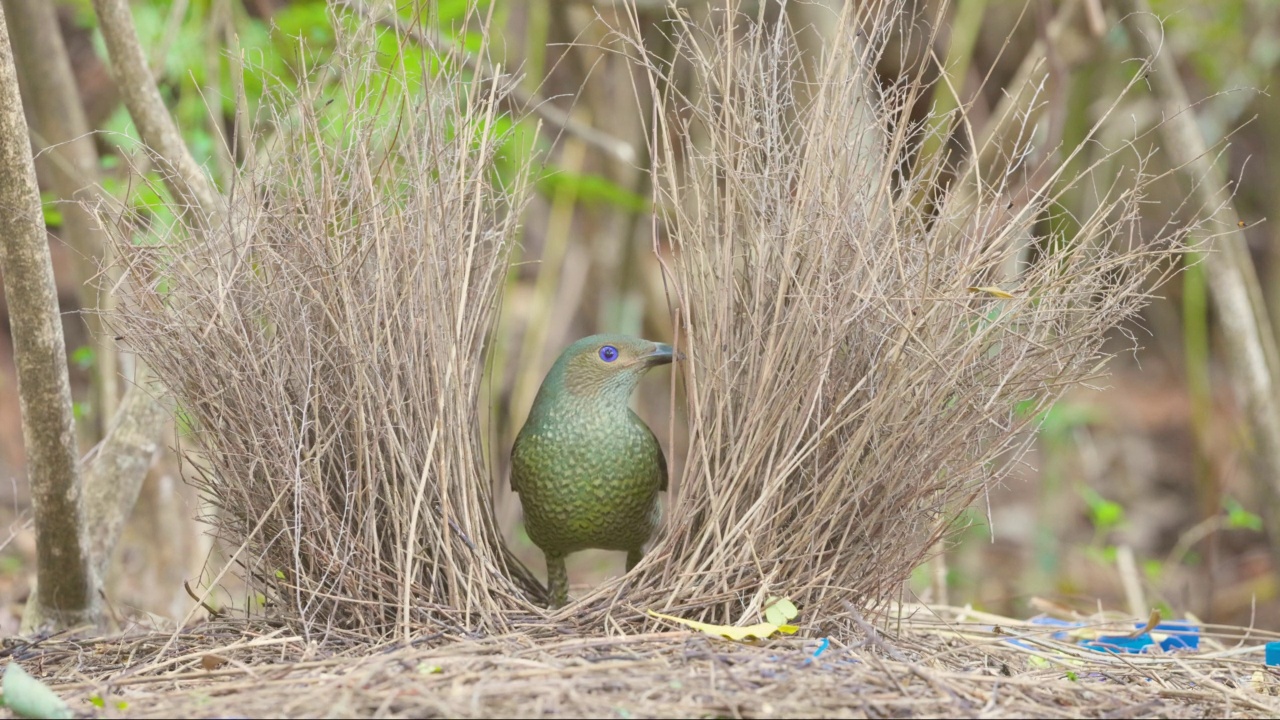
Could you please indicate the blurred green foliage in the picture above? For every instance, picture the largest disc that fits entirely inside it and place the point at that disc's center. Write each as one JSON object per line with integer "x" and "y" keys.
{"x": 297, "y": 43}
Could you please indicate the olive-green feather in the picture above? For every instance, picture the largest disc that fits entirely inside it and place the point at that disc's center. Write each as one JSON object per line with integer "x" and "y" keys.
{"x": 586, "y": 467}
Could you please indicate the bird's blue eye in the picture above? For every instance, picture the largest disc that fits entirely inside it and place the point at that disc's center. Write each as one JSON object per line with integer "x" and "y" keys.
{"x": 608, "y": 353}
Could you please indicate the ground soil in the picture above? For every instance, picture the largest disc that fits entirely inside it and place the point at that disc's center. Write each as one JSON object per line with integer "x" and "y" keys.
{"x": 926, "y": 662}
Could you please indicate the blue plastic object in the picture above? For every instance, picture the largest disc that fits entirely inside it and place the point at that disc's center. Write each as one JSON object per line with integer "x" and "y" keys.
{"x": 1180, "y": 635}
{"x": 1055, "y": 622}
{"x": 1273, "y": 653}
{"x": 1175, "y": 635}
{"x": 1044, "y": 620}
{"x": 822, "y": 647}
{"x": 1119, "y": 644}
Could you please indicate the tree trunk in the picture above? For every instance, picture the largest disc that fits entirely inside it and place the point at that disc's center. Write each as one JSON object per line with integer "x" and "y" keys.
{"x": 65, "y": 594}
{"x": 1233, "y": 282}
{"x": 115, "y": 471}
{"x": 68, "y": 162}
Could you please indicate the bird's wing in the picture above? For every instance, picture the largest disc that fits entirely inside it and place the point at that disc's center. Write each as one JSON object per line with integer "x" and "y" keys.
{"x": 662, "y": 459}
{"x": 516, "y": 465}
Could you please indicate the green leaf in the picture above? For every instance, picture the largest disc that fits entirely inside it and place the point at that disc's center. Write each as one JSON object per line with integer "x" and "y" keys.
{"x": 590, "y": 188}
{"x": 1240, "y": 519}
{"x": 98, "y": 702}
{"x": 1064, "y": 418}
{"x": 49, "y": 208}
{"x": 449, "y": 10}
{"x": 1105, "y": 514}
{"x": 30, "y": 698}
{"x": 1108, "y": 514}
{"x": 780, "y": 610}
{"x": 1026, "y": 407}
{"x": 83, "y": 357}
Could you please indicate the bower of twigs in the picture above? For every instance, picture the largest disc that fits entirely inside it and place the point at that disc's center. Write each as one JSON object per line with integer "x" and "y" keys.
{"x": 865, "y": 345}
{"x": 325, "y": 347}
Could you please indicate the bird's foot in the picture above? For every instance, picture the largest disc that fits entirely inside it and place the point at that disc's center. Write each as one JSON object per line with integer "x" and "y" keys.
{"x": 557, "y": 581}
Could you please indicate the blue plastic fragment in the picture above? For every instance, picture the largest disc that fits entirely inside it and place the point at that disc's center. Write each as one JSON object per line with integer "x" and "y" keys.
{"x": 1177, "y": 635}
{"x": 1055, "y": 622}
{"x": 1050, "y": 622}
{"x": 1273, "y": 653}
{"x": 1119, "y": 644}
{"x": 1181, "y": 635}
{"x": 1020, "y": 643}
{"x": 822, "y": 647}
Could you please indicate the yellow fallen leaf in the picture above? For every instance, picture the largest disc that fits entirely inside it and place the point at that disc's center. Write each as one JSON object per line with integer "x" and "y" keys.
{"x": 780, "y": 610}
{"x": 992, "y": 291}
{"x": 732, "y": 632}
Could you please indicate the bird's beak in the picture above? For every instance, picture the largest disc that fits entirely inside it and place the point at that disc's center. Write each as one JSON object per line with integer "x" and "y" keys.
{"x": 661, "y": 354}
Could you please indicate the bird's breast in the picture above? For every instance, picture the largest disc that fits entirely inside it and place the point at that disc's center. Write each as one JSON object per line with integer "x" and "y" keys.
{"x": 587, "y": 481}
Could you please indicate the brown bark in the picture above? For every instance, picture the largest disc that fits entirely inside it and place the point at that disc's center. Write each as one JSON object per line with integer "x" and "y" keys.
{"x": 65, "y": 595}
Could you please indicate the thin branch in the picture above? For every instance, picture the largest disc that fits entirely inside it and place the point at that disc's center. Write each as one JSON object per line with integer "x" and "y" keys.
{"x": 515, "y": 99}
{"x": 184, "y": 177}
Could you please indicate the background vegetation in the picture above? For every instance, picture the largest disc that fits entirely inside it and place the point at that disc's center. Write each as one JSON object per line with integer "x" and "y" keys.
{"x": 1140, "y": 493}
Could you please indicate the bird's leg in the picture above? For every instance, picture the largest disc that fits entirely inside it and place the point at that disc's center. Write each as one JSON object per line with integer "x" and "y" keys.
{"x": 557, "y": 579}
{"x": 633, "y": 558}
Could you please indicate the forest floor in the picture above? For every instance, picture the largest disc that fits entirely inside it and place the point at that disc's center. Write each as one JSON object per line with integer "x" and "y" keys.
{"x": 929, "y": 662}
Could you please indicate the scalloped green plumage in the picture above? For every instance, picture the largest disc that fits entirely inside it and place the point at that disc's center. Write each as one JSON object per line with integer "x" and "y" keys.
{"x": 586, "y": 467}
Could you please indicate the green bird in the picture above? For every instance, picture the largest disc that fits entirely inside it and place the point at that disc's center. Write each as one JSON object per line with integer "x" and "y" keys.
{"x": 586, "y": 467}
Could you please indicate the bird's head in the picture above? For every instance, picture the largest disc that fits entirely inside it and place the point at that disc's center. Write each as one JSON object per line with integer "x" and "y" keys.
{"x": 606, "y": 367}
